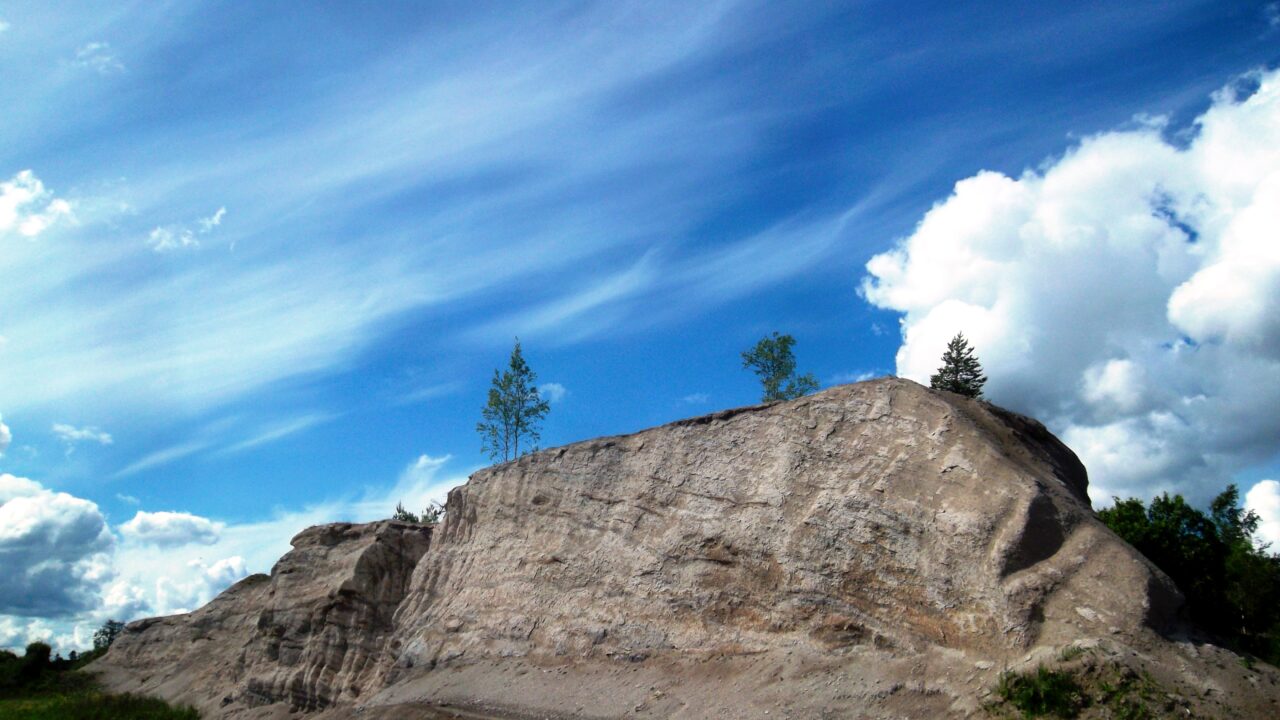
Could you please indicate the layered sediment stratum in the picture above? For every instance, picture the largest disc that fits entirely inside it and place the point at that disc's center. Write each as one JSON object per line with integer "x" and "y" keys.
{"x": 873, "y": 550}
{"x": 308, "y": 636}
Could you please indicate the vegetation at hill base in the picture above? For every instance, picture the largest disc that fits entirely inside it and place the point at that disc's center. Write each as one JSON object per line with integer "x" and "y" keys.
{"x": 1232, "y": 585}
{"x": 38, "y": 687}
{"x": 1085, "y": 683}
{"x": 1041, "y": 692}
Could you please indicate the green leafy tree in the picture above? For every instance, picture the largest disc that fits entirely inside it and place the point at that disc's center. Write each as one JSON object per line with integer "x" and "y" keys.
{"x": 35, "y": 663}
{"x": 107, "y": 634}
{"x": 960, "y": 372}
{"x": 774, "y": 362}
{"x": 514, "y": 412}
{"x": 1232, "y": 585}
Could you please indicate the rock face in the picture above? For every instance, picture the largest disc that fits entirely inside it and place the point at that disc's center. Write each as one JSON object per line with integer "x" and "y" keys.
{"x": 874, "y": 550}
{"x": 306, "y": 636}
{"x": 879, "y": 514}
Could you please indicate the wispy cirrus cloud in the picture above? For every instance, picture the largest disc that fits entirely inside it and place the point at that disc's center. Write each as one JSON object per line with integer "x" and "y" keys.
{"x": 277, "y": 431}
{"x": 177, "y": 237}
{"x": 97, "y": 56}
{"x": 531, "y": 126}
{"x": 853, "y": 377}
{"x": 160, "y": 458}
{"x": 72, "y": 434}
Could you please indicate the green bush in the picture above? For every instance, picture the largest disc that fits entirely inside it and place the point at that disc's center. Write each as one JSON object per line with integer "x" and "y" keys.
{"x": 1040, "y": 693}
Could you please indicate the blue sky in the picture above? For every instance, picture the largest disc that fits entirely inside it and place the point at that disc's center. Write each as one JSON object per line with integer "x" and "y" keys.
{"x": 261, "y": 261}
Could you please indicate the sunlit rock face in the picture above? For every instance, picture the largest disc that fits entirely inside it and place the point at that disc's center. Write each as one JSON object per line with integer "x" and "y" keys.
{"x": 879, "y": 514}
{"x": 873, "y": 550}
{"x": 308, "y": 635}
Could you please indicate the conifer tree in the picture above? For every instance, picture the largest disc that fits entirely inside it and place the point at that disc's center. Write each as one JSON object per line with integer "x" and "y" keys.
{"x": 960, "y": 372}
{"x": 775, "y": 363}
{"x": 514, "y": 412}
{"x": 404, "y": 515}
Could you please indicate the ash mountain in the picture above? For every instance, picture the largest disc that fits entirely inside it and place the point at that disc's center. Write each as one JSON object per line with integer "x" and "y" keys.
{"x": 873, "y": 550}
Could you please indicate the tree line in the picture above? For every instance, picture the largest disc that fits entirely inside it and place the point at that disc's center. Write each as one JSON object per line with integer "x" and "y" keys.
{"x": 40, "y": 684}
{"x": 1231, "y": 582}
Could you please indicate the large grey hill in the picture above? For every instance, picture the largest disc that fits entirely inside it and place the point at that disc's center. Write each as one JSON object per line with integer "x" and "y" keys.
{"x": 874, "y": 550}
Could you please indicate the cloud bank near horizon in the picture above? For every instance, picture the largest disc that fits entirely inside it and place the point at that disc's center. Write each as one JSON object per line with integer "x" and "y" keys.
{"x": 1125, "y": 293}
{"x": 67, "y": 571}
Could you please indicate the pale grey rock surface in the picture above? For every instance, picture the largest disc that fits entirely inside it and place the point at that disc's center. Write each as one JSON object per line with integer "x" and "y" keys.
{"x": 873, "y": 550}
{"x": 876, "y": 514}
{"x": 305, "y": 637}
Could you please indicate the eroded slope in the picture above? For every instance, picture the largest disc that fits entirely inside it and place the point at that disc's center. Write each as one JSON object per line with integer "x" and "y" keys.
{"x": 874, "y": 550}
{"x": 305, "y": 637}
{"x": 877, "y": 514}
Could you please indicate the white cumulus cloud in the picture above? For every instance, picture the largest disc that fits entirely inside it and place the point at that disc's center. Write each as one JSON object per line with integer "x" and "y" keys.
{"x": 53, "y": 550}
{"x": 168, "y": 529}
{"x": 1264, "y": 499}
{"x": 27, "y": 207}
{"x": 552, "y": 392}
{"x": 6, "y": 436}
{"x": 129, "y": 579}
{"x": 199, "y": 585}
{"x": 1125, "y": 293}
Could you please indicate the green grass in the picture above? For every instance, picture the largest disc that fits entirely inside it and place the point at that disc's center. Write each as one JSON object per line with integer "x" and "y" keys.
{"x": 73, "y": 695}
{"x": 1093, "y": 688}
{"x": 1134, "y": 697}
{"x": 1042, "y": 693}
{"x": 91, "y": 706}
